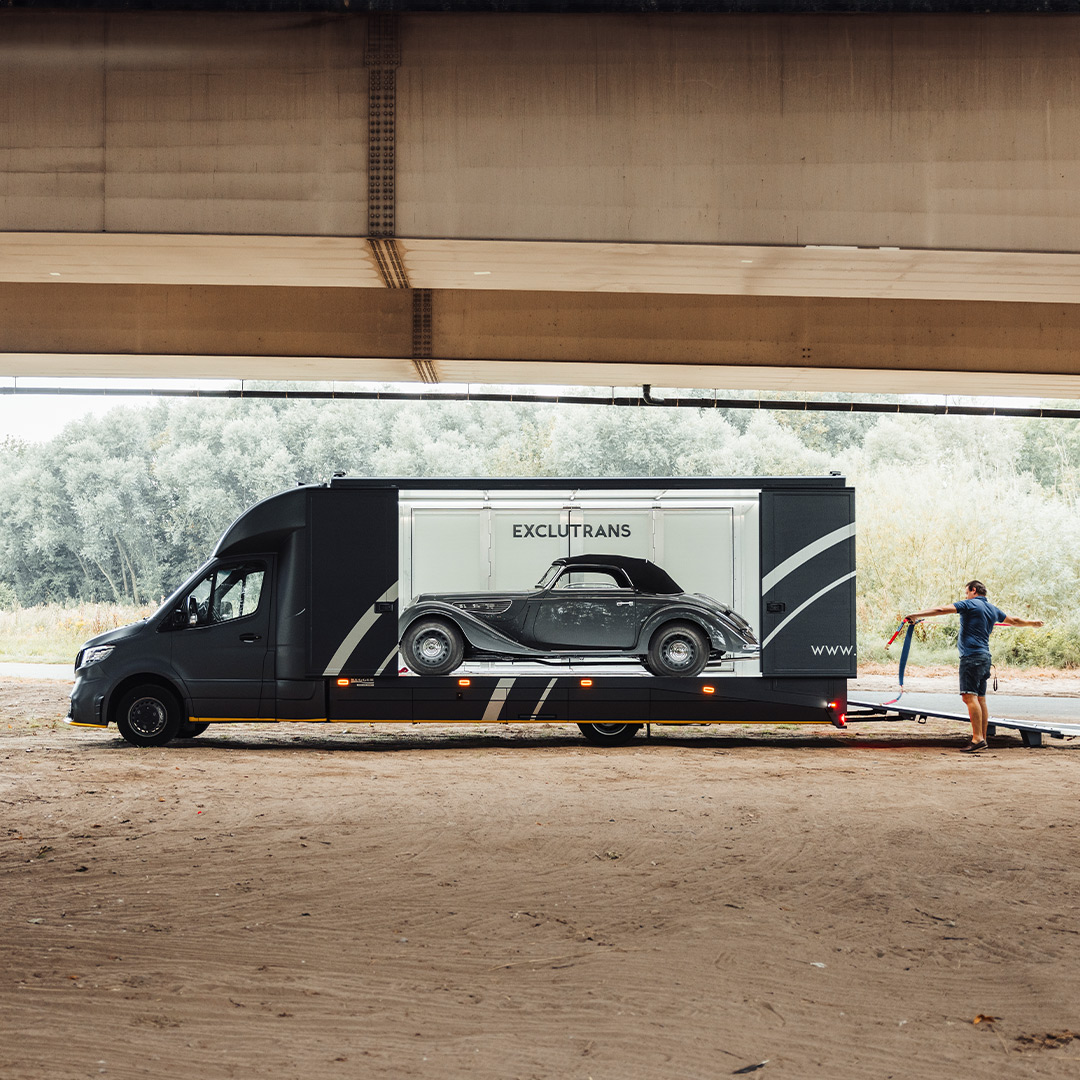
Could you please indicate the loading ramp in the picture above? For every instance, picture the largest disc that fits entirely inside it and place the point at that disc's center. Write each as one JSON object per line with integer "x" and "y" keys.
{"x": 1031, "y": 731}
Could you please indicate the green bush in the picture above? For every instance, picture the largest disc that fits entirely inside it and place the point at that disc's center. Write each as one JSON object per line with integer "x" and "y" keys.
{"x": 1046, "y": 647}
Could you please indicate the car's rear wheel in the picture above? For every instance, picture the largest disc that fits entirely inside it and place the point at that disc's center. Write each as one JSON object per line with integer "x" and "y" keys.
{"x": 677, "y": 648}
{"x": 148, "y": 715}
{"x": 433, "y": 647}
{"x": 609, "y": 734}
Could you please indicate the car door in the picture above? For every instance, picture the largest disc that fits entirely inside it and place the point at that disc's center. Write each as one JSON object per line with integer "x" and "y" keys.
{"x": 584, "y": 609}
{"x": 222, "y": 654}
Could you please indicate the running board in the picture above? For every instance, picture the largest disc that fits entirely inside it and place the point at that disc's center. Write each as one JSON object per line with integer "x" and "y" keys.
{"x": 1031, "y": 731}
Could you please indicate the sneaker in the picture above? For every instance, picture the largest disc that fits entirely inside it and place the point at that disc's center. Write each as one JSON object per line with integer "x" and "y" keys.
{"x": 973, "y": 746}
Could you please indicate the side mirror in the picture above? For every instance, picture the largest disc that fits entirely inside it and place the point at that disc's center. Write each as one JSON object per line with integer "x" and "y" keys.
{"x": 192, "y": 611}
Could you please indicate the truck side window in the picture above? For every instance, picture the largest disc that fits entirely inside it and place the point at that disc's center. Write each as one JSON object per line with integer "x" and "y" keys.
{"x": 228, "y": 593}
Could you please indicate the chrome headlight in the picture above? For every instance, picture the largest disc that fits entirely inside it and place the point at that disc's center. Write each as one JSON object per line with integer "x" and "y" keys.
{"x": 94, "y": 654}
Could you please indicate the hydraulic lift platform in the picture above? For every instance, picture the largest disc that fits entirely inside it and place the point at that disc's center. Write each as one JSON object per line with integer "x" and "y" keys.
{"x": 1031, "y": 731}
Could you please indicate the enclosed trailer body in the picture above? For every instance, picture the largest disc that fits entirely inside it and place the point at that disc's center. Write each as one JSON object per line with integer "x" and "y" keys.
{"x": 301, "y": 600}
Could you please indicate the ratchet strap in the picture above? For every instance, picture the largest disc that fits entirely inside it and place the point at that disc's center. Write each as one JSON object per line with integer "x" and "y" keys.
{"x": 904, "y": 651}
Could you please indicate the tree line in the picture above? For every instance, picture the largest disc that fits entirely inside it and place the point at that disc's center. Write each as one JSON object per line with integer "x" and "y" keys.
{"x": 122, "y": 507}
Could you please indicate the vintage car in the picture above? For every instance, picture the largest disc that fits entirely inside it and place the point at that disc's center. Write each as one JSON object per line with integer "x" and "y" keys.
{"x": 584, "y": 606}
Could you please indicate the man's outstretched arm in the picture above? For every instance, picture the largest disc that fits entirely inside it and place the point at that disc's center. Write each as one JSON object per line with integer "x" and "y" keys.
{"x": 944, "y": 609}
{"x": 1012, "y": 620}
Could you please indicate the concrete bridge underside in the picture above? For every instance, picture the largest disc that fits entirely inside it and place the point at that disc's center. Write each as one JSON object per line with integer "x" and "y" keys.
{"x": 877, "y": 203}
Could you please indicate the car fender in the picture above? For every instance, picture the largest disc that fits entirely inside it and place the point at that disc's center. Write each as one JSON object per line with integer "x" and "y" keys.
{"x": 477, "y": 633}
{"x": 707, "y": 624}
{"x": 723, "y": 636}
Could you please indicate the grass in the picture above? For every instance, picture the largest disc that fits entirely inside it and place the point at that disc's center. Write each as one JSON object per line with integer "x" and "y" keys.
{"x": 53, "y": 634}
{"x": 922, "y": 654}
{"x": 1021, "y": 648}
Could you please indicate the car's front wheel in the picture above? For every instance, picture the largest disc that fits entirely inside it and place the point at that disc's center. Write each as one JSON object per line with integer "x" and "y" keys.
{"x": 433, "y": 647}
{"x": 677, "y": 648}
{"x": 609, "y": 734}
{"x": 148, "y": 715}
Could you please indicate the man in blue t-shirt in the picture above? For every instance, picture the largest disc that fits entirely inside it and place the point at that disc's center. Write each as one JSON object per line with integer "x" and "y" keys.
{"x": 977, "y": 619}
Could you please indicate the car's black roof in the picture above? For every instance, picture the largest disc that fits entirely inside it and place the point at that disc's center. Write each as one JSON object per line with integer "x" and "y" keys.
{"x": 643, "y": 575}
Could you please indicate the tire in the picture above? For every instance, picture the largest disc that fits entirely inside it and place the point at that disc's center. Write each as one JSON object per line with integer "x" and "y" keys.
{"x": 188, "y": 730}
{"x": 677, "y": 649}
{"x": 433, "y": 647}
{"x": 609, "y": 734}
{"x": 148, "y": 715}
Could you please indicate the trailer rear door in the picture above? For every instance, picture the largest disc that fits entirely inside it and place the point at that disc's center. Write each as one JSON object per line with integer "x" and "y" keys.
{"x": 808, "y": 583}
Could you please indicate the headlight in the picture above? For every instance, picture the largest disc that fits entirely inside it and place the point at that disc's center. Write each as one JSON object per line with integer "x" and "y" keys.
{"x": 94, "y": 654}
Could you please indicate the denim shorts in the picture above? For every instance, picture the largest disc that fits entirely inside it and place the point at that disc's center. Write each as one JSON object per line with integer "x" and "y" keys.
{"x": 974, "y": 671}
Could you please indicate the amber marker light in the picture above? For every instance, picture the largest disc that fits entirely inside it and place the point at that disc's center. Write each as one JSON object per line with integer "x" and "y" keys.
{"x": 464, "y": 682}
{"x": 343, "y": 682}
{"x": 586, "y": 682}
{"x": 708, "y": 689}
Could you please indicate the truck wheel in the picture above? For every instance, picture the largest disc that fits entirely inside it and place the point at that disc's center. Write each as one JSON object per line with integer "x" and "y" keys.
{"x": 188, "y": 730}
{"x": 148, "y": 715}
{"x": 609, "y": 734}
{"x": 677, "y": 648}
{"x": 433, "y": 647}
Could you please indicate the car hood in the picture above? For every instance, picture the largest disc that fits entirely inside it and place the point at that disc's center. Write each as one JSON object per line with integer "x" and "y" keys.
{"x": 121, "y": 633}
{"x": 458, "y": 597}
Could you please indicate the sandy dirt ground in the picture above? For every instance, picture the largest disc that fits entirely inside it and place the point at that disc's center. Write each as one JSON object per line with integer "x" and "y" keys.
{"x": 285, "y": 901}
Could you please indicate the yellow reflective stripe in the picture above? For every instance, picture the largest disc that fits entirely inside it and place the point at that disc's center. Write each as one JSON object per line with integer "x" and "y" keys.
{"x": 259, "y": 720}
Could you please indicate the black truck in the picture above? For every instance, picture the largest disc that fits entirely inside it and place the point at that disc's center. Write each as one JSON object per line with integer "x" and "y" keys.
{"x": 310, "y": 606}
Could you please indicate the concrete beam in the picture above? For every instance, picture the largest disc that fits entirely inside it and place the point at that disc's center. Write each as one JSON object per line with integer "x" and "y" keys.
{"x": 543, "y": 266}
{"x": 174, "y": 122}
{"x": 938, "y": 131}
{"x": 708, "y": 196}
{"x": 600, "y": 338}
{"x": 918, "y": 132}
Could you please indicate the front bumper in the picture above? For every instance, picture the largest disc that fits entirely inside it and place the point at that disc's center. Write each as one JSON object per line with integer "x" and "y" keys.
{"x": 87, "y": 705}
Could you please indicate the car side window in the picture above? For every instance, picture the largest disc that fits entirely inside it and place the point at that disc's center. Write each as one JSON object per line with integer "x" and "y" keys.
{"x": 588, "y": 579}
{"x": 226, "y": 593}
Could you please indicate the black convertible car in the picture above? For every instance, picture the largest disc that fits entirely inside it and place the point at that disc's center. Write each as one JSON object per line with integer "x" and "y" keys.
{"x": 585, "y": 605}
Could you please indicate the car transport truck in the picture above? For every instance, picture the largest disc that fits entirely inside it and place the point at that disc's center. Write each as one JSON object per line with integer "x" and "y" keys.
{"x": 606, "y": 603}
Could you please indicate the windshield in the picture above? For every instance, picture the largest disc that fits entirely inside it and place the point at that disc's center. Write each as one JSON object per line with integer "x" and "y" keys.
{"x": 549, "y": 576}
